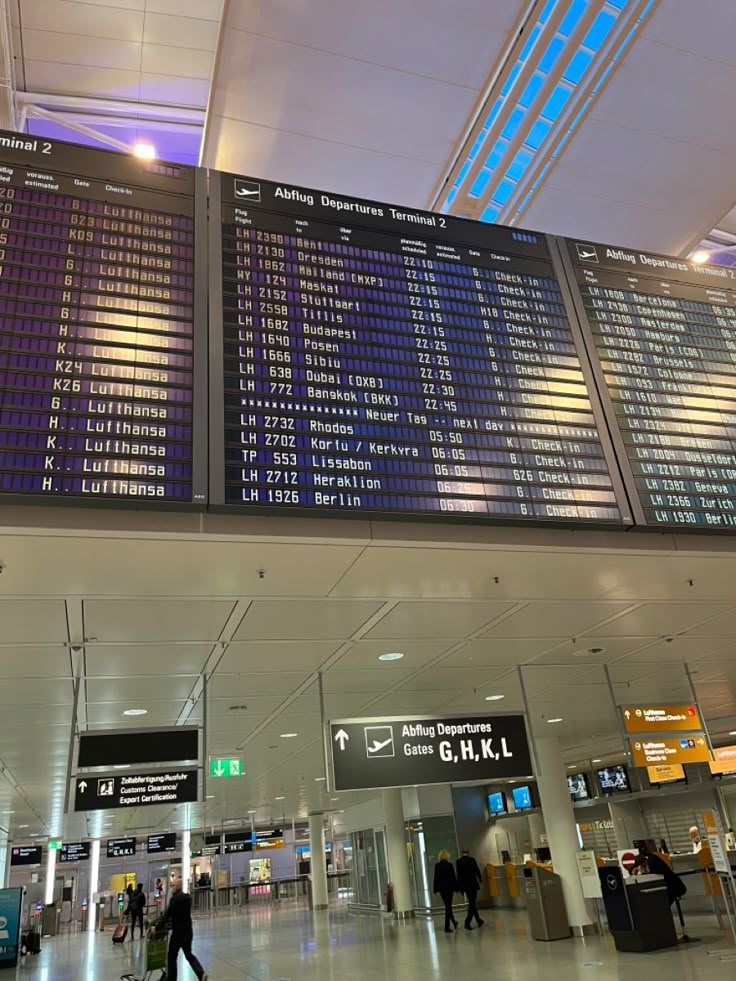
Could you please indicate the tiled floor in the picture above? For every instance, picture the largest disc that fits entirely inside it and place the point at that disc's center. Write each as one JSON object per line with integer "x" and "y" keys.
{"x": 278, "y": 943}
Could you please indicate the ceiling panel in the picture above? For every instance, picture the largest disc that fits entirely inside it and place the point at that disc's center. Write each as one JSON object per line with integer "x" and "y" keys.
{"x": 181, "y": 32}
{"x": 296, "y": 655}
{"x": 585, "y": 651}
{"x": 39, "y": 691}
{"x": 658, "y": 619}
{"x": 91, "y": 20}
{"x": 34, "y": 662}
{"x": 218, "y": 708}
{"x": 263, "y": 683}
{"x": 110, "y": 714}
{"x": 72, "y": 49}
{"x": 144, "y": 659}
{"x": 449, "y": 678}
{"x": 365, "y": 654}
{"x": 304, "y": 619}
{"x": 678, "y": 649}
{"x": 363, "y": 681}
{"x": 146, "y": 620}
{"x": 33, "y": 621}
{"x": 419, "y": 702}
{"x": 430, "y": 621}
{"x": 499, "y": 651}
{"x": 130, "y": 689}
{"x": 553, "y": 619}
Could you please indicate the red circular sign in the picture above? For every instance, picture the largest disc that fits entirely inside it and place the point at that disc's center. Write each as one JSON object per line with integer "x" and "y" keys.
{"x": 628, "y": 860}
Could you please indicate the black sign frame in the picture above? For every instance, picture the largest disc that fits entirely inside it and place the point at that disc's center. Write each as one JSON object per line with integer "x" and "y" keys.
{"x": 83, "y": 856}
{"x": 375, "y": 740}
{"x": 112, "y": 843}
{"x": 26, "y": 854}
{"x": 178, "y": 786}
{"x": 136, "y": 747}
{"x": 169, "y": 836}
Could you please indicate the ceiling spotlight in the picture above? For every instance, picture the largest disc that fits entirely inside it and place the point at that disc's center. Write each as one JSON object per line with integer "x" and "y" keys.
{"x": 494, "y": 698}
{"x": 700, "y": 256}
{"x": 278, "y": 798}
{"x": 570, "y": 766}
{"x": 252, "y": 811}
{"x": 135, "y": 712}
{"x": 391, "y": 656}
{"x": 320, "y": 779}
{"x": 210, "y": 796}
{"x": 551, "y": 721}
{"x": 145, "y": 151}
{"x": 289, "y": 735}
{"x": 333, "y": 799}
{"x": 596, "y": 761}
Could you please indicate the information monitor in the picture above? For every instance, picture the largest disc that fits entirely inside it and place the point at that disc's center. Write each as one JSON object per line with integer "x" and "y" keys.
{"x": 368, "y": 359}
{"x": 662, "y": 336}
{"x": 100, "y": 326}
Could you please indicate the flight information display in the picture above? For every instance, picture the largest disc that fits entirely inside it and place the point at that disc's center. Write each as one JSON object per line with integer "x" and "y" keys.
{"x": 664, "y": 347}
{"x": 99, "y": 325}
{"x": 374, "y": 359}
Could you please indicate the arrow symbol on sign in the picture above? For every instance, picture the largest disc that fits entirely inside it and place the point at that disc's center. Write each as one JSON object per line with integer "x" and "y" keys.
{"x": 627, "y": 714}
{"x": 342, "y": 738}
{"x": 219, "y": 770}
{"x": 83, "y": 786}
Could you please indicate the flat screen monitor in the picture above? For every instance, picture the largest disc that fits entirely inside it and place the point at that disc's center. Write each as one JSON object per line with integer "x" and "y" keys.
{"x": 614, "y": 779}
{"x": 522, "y": 798}
{"x": 497, "y": 803}
{"x": 577, "y": 786}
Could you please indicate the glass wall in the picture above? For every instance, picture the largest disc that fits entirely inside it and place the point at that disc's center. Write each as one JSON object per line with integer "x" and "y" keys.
{"x": 427, "y": 838}
{"x": 369, "y": 867}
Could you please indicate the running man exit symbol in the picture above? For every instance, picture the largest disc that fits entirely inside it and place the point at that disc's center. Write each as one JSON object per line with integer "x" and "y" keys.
{"x": 230, "y": 767}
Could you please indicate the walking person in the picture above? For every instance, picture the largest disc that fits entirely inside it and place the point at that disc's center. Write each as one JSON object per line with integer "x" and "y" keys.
{"x": 179, "y": 914}
{"x": 469, "y": 881}
{"x": 445, "y": 883}
{"x": 136, "y": 905}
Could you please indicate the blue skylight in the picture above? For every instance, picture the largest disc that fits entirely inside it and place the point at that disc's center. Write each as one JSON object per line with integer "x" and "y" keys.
{"x": 488, "y": 164}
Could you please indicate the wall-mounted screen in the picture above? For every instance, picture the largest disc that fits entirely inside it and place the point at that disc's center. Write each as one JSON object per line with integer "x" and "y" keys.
{"x": 497, "y": 803}
{"x": 368, "y": 359}
{"x": 614, "y": 779}
{"x": 100, "y": 324}
{"x": 577, "y": 786}
{"x": 522, "y": 797}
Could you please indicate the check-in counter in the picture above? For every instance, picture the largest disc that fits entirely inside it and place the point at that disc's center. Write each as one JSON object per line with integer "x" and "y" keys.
{"x": 638, "y": 910}
{"x": 498, "y": 888}
{"x": 515, "y": 883}
{"x": 702, "y": 886}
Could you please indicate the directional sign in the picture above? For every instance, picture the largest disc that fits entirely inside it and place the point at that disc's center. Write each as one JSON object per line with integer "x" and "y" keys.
{"x": 77, "y": 851}
{"x": 106, "y": 791}
{"x": 685, "y": 749}
{"x": 407, "y": 752}
{"x": 661, "y": 718}
{"x": 226, "y": 768}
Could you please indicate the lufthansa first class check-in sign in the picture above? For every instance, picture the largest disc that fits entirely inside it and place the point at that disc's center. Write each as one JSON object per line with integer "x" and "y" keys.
{"x": 367, "y": 358}
{"x": 396, "y": 752}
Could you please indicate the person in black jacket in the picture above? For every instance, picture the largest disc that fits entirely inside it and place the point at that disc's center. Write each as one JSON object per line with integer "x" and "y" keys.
{"x": 445, "y": 883}
{"x": 469, "y": 881}
{"x": 179, "y": 914}
{"x": 649, "y": 862}
{"x": 136, "y": 905}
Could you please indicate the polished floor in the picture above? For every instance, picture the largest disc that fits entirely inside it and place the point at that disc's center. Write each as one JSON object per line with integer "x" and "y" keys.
{"x": 284, "y": 943}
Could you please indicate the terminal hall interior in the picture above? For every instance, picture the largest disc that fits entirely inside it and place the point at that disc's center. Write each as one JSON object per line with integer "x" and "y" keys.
{"x": 367, "y": 489}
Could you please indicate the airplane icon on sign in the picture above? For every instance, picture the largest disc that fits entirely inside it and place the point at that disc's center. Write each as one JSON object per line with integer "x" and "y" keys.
{"x": 586, "y": 253}
{"x": 379, "y": 741}
{"x": 248, "y": 189}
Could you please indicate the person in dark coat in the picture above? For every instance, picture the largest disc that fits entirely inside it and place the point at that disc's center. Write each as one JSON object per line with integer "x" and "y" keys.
{"x": 179, "y": 915}
{"x": 469, "y": 881}
{"x": 649, "y": 862}
{"x": 136, "y": 905}
{"x": 445, "y": 883}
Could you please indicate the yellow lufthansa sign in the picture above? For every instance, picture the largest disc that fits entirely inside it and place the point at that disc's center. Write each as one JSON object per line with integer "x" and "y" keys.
{"x": 724, "y": 760}
{"x": 661, "y": 718}
{"x": 666, "y": 773}
{"x": 655, "y": 752}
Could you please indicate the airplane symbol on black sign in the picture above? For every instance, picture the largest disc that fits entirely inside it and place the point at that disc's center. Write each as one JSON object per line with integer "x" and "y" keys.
{"x": 586, "y": 253}
{"x": 248, "y": 190}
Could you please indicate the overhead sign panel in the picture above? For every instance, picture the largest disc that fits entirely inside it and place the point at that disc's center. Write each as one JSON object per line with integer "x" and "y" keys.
{"x": 26, "y": 855}
{"x": 661, "y": 718}
{"x": 120, "y": 847}
{"x": 371, "y": 359}
{"x": 724, "y": 760}
{"x": 102, "y": 332}
{"x": 113, "y": 790}
{"x": 666, "y": 773}
{"x": 75, "y": 852}
{"x": 401, "y": 752}
{"x": 686, "y": 749}
{"x": 661, "y": 331}
{"x": 126, "y": 747}
{"x": 161, "y": 843}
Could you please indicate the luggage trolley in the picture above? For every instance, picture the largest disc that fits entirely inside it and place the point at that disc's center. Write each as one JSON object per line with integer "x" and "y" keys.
{"x": 152, "y": 957}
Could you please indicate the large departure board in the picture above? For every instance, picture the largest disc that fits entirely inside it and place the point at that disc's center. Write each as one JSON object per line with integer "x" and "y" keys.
{"x": 369, "y": 359}
{"x": 663, "y": 334}
{"x": 100, "y": 324}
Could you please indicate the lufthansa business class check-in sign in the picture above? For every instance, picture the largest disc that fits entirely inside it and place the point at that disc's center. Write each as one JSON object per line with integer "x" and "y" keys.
{"x": 400, "y": 752}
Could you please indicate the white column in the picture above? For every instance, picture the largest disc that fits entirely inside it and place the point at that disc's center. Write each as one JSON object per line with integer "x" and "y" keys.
{"x": 536, "y": 829}
{"x": 186, "y": 861}
{"x": 94, "y": 876}
{"x": 398, "y": 858}
{"x": 559, "y": 820}
{"x": 318, "y": 868}
{"x": 48, "y": 895}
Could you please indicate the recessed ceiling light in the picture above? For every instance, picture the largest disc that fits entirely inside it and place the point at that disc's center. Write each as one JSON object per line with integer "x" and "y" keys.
{"x": 700, "y": 256}
{"x": 570, "y": 766}
{"x": 289, "y": 735}
{"x": 596, "y": 761}
{"x": 320, "y": 779}
{"x": 121, "y": 766}
{"x": 253, "y": 811}
{"x": 550, "y": 721}
{"x": 732, "y": 732}
{"x": 279, "y": 798}
{"x": 494, "y": 698}
{"x": 391, "y": 656}
{"x": 135, "y": 712}
{"x": 210, "y": 796}
{"x": 145, "y": 151}
{"x": 23, "y": 826}
{"x": 334, "y": 798}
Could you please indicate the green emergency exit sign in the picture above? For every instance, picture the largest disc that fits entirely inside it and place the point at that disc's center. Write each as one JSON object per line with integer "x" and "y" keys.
{"x": 54, "y": 844}
{"x": 226, "y": 768}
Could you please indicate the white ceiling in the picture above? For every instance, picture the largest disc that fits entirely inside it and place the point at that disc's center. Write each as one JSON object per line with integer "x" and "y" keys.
{"x": 152, "y": 611}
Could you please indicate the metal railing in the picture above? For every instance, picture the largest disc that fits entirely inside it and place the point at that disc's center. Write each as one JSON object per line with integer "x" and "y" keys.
{"x": 214, "y": 899}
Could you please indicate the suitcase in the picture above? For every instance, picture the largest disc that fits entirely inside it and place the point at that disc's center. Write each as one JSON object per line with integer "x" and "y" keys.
{"x": 30, "y": 942}
{"x": 120, "y": 933}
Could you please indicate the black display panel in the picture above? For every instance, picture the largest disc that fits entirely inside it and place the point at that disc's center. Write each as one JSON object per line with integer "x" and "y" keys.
{"x": 368, "y": 359}
{"x": 165, "y": 842}
{"x": 75, "y": 852}
{"x": 663, "y": 342}
{"x": 120, "y": 847}
{"x": 26, "y": 855}
{"x": 102, "y": 326}
{"x": 176, "y": 744}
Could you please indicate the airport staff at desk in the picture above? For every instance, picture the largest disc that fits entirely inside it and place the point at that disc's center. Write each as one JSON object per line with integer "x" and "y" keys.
{"x": 695, "y": 838}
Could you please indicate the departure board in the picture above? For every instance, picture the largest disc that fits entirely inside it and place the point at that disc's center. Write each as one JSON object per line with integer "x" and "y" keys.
{"x": 99, "y": 326}
{"x": 663, "y": 334}
{"x": 369, "y": 359}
